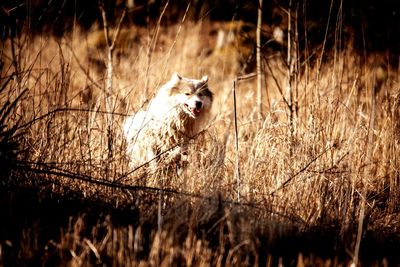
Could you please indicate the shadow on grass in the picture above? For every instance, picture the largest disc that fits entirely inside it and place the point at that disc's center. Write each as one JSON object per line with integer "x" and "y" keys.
{"x": 42, "y": 228}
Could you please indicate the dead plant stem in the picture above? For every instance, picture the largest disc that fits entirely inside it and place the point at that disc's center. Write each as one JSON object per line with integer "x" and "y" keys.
{"x": 109, "y": 75}
{"x": 259, "y": 63}
{"x": 236, "y": 142}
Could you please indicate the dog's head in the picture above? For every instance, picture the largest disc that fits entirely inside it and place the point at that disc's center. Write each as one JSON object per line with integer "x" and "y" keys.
{"x": 193, "y": 96}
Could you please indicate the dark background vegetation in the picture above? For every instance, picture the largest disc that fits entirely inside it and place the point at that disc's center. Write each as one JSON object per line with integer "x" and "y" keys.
{"x": 372, "y": 25}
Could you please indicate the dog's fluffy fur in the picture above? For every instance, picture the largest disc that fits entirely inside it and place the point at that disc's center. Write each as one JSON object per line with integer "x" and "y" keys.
{"x": 160, "y": 134}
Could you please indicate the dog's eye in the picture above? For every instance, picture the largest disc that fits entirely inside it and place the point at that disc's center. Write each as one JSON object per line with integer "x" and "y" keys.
{"x": 187, "y": 94}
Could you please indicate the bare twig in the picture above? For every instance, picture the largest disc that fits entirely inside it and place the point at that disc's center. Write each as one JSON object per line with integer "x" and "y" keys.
{"x": 148, "y": 189}
{"x": 8, "y": 107}
{"x": 285, "y": 183}
{"x": 277, "y": 83}
{"x": 62, "y": 110}
{"x": 87, "y": 74}
{"x": 290, "y": 64}
{"x": 109, "y": 75}
{"x": 259, "y": 66}
{"x": 236, "y": 143}
{"x": 8, "y": 79}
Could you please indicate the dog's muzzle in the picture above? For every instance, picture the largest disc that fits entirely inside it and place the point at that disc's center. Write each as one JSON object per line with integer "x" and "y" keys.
{"x": 194, "y": 111}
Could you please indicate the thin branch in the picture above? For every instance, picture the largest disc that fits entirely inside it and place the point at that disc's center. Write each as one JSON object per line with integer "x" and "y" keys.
{"x": 116, "y": 34}
{"x": 236, "y": 143}
{"x": 61, "y": 110}
{"x": 290, "y": 63}
{"x": 259, "y": 63}
{"x": 8, "y": 107}
{"x": 8, "y": 79}
{"x": 82, "y": 68}
{"x": 277, "y": 83}
{"x": 247, "y": 76}
{"x": 105, "y": 25}
{"x": 285, "y": 183}
{"x": 109, "y": 76}
{"x": 155, "y": 190}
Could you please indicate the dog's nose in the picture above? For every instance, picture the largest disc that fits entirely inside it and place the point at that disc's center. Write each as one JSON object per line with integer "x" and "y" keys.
{"x": 198, "y": 104}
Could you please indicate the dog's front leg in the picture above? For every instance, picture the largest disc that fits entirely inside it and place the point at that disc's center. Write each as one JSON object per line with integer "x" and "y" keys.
{"x": 183, "y": 161}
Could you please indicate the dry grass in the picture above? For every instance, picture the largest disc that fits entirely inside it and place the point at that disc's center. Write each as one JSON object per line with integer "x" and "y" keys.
{"x": 311, "y": 177}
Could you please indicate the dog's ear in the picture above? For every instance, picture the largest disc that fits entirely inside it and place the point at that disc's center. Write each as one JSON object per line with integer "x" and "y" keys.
{"x": 175, "y": 78}
{"x": 204, "y": 79}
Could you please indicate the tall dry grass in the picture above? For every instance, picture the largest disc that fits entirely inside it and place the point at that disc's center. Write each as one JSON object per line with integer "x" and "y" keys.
{"x": 306, "y": 174}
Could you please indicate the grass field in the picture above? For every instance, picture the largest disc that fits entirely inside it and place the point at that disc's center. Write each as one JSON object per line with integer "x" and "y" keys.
{"x": 314, "y": 181}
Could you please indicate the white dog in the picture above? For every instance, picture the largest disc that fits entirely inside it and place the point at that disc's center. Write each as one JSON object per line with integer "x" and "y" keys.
{"x": 160, "y": 134}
